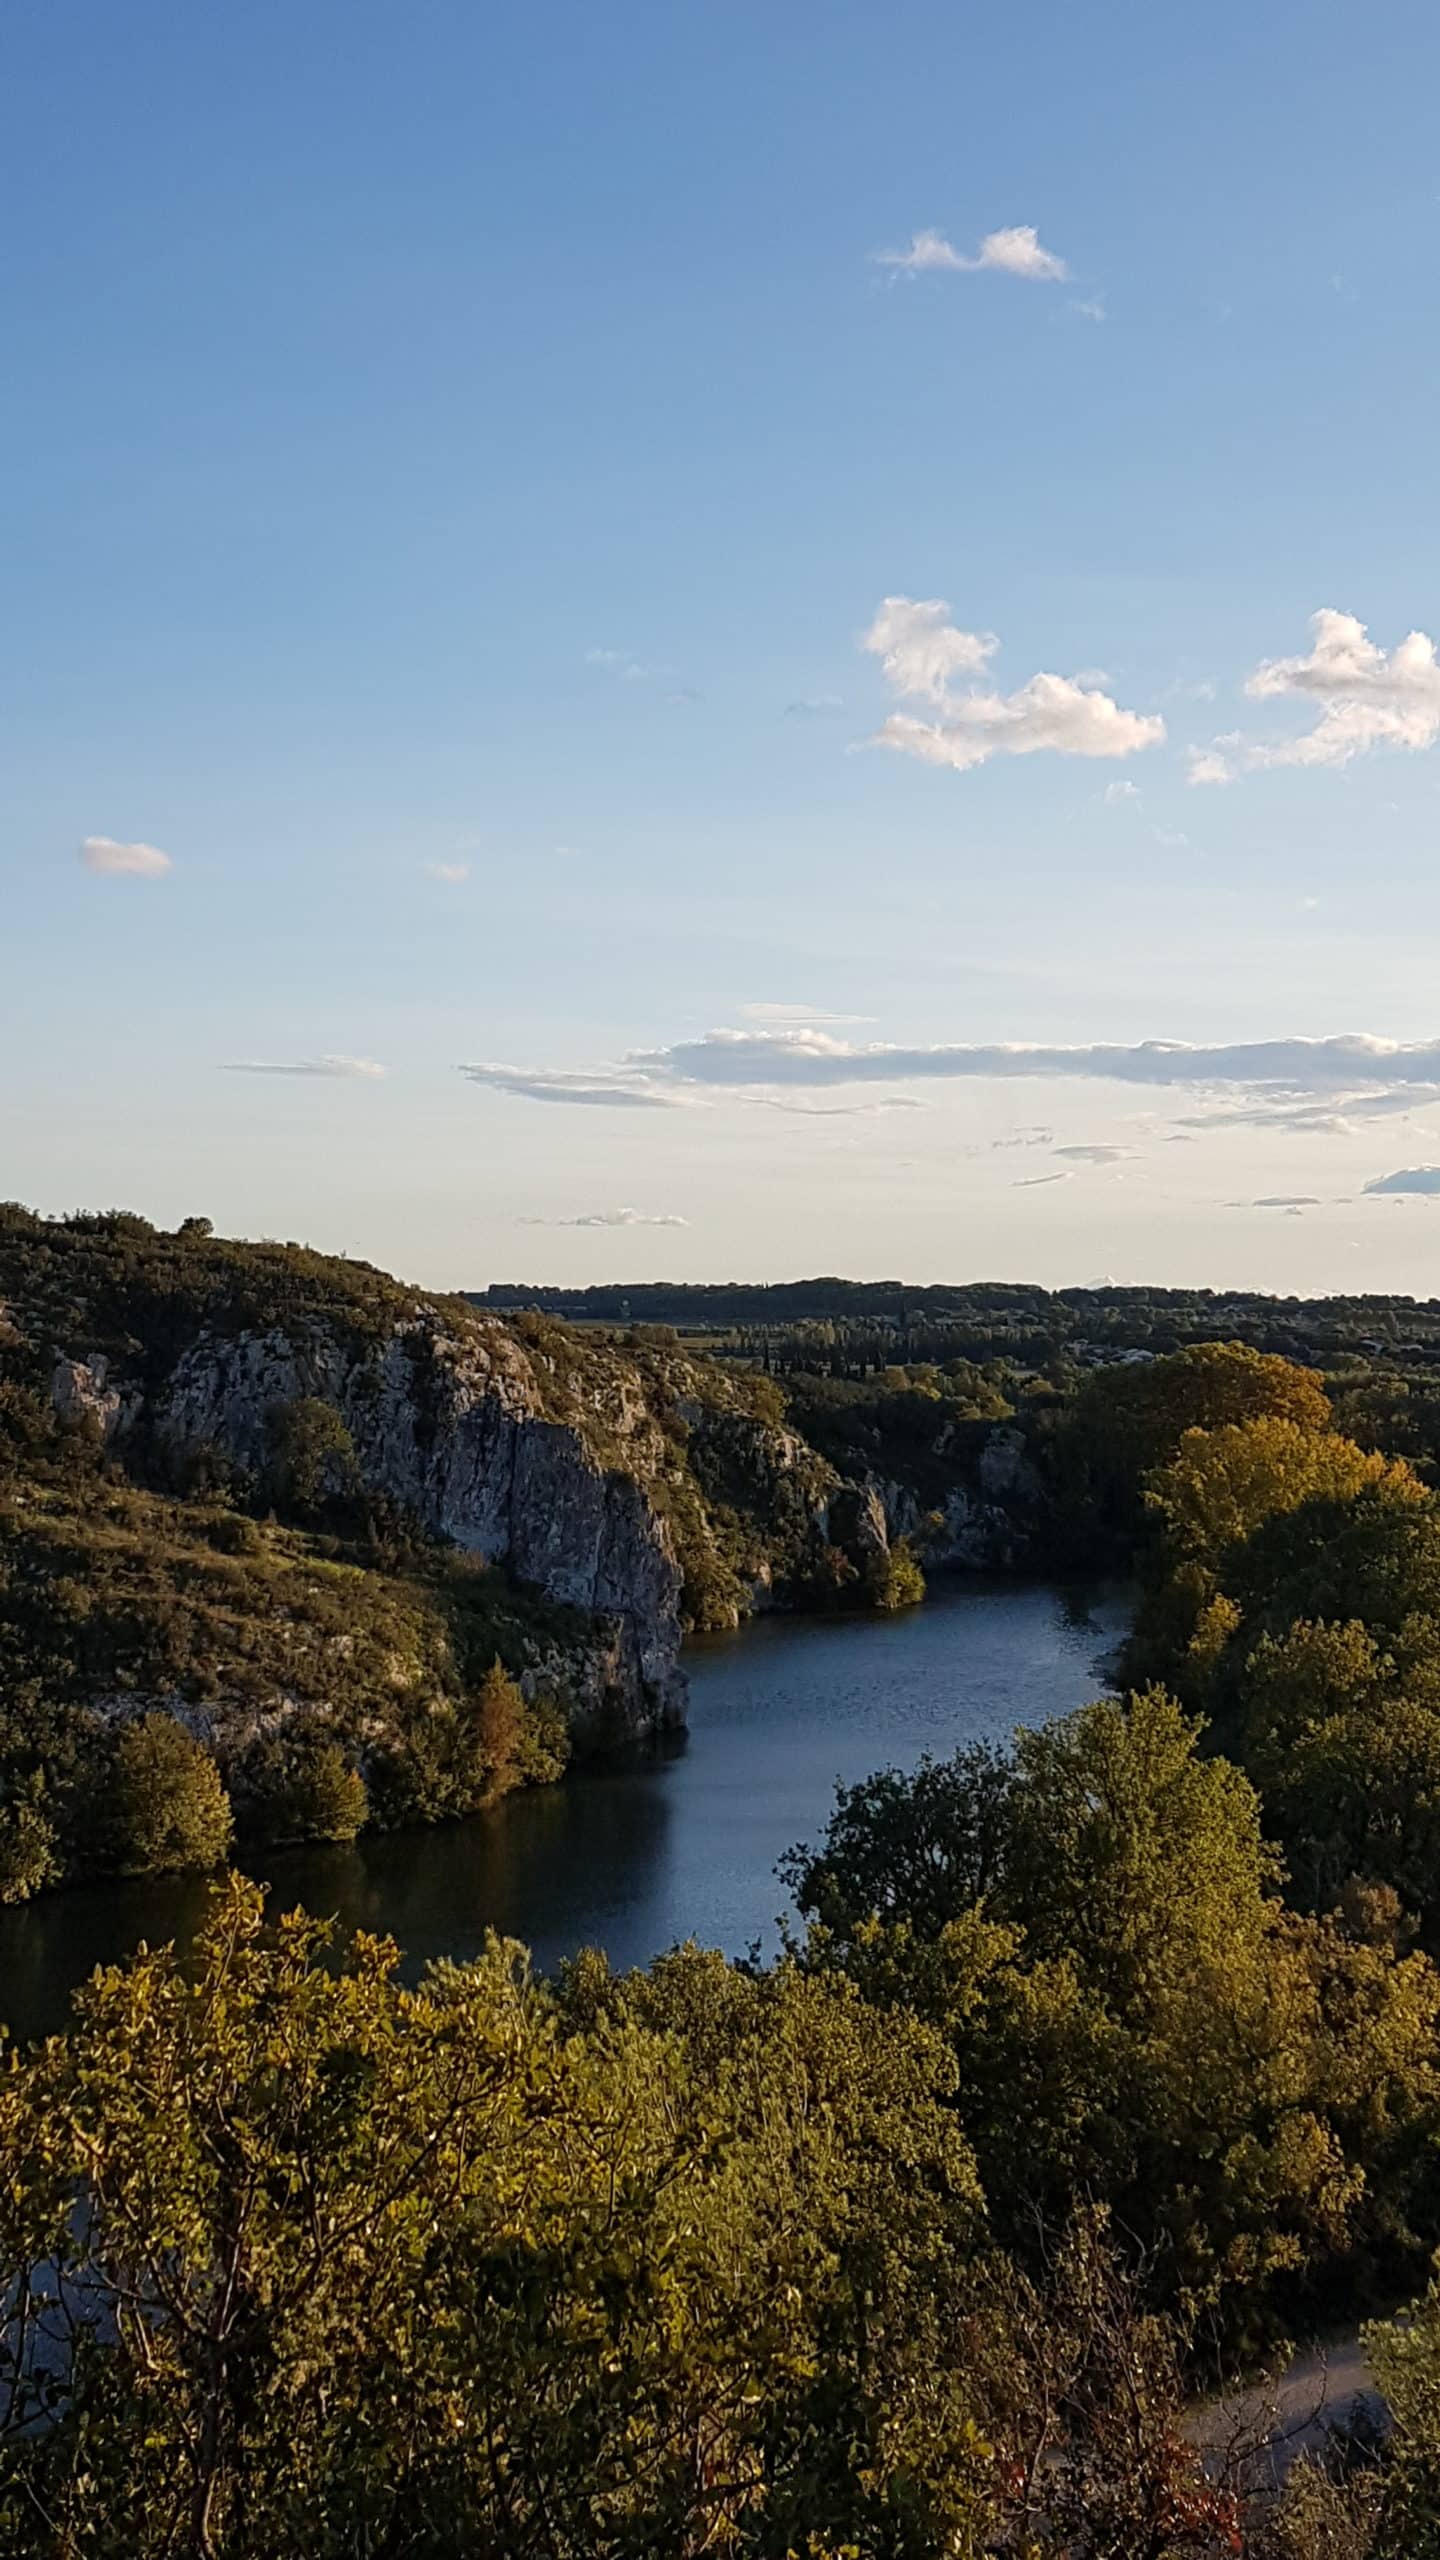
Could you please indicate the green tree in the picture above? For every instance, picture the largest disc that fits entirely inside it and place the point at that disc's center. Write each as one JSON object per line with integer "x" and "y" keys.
{"x": 1224, "y": 1484}
{"x": 896, "y": 1581}
{"x": 1246, "y": 2088}
{"x": 501, "y": 1726}
{"x": 165, "y": 1806}
{"x": 312, "y": 1456}
{"x": 1125, "y": 1422}
{"x": 30, "y": 1855}
{"x": 302, "y": 1787}
{"x": 360, "y": 2268}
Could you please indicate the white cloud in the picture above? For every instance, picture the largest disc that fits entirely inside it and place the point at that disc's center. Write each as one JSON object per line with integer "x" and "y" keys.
{"x": 451, "y": 871}
{"x": 920, "y": 651}
{"x": 1412, "y": 1181}
{"x": 1209, "y": 765}
{"x": 800, "y": 1017}
{"x": 611, "y": 1218}
{"x": 1366, "y": 697}
{"x": 130, "y": 861}
{"x": 922, "y": 654}
{"x": 1315, "y": 1119}
{"x": 836, "y": 1110}
{"x": 1094, "y": 309}
{"x": 1301, "y": 1084}
{"x": 603, "y": 1088}
{"x": 1116, "y": 792}
{"x": 329, "y": 1066}
{"x": 1013, "y": 252}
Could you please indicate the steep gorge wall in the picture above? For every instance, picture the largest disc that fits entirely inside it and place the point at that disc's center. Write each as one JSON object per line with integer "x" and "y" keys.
{"x": 452, "y": 1428}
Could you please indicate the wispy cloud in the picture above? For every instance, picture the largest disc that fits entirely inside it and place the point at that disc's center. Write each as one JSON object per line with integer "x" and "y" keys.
{"x": 453, "y": 872}
{"x": 1313, "y": 1119}
{"x": 604, "y": 1088}
{"x": 1115, "y": 794}
{"x": 1349, "y": 1063}
{"x": 1291, "y": 1204}
{"x": 1013, "y": 252}
{"x": 1098, "y": 1154}
{"x": 1367, "y": 697}
{"x": 1090, "y": 309}
{"x": 815, "y": 706}
{"x": 628, "y": 669}
{"x": 1414, "y": 1181}
{"x": 612, "y": 1218}
{"x": 622, "y": 663}
{"x": 1272, "y": 1083}
{"x": 124, "y": 861}
{"x": 1038, "y": 1181}
{"x": 364, "y": 1068}
{"x": 923, "y": 655}
{"x": 836, "y": 1110}
{"x": 800, "y": 1017}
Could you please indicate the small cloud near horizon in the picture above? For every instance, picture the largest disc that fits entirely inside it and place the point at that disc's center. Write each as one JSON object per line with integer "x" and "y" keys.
{"x": 612, "y": 1218}
{"x": 453, "y": 872}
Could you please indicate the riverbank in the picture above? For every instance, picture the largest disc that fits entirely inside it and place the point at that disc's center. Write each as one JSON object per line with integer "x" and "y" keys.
{"x": 683, "y": 1843}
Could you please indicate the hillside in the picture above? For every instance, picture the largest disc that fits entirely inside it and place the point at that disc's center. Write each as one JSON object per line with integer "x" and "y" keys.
{"x": 311, "y": 1518}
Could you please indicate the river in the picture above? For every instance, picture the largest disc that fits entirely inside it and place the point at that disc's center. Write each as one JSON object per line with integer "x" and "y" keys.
{"x": 682, "y": 1844}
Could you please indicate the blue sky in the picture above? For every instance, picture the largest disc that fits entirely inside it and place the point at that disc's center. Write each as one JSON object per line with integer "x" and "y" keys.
{"x": 456, "y": 441}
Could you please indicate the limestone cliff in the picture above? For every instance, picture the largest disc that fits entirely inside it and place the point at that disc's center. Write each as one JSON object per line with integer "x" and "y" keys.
{"x": 641, "y": 1486}
{"x": 452, "y": 1426}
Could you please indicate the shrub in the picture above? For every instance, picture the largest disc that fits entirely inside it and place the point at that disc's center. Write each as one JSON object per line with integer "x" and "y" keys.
{"x": 167, "y": 1808}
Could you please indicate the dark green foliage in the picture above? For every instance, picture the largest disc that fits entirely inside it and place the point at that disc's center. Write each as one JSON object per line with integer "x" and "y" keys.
{"x": 312, "y": 1458}
{"x": 301, "y": 1787}
{"x": 896, "y": 1581}
{"x": 1136, "y": 2016}
{"x": 164, "y": 1806}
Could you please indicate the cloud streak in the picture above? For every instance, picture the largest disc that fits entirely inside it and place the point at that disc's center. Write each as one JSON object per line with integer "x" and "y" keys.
{"x": 807, "y": 1057}
{"x": 924, "y": 656}
{"x": 362, "y": 1068}
{"x": 1325, "y": 1086}
{"x": 612, "y": 1218}
{"x": 602, "y": 1089}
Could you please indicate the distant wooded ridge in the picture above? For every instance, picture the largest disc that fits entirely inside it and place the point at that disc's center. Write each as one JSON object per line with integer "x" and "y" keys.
{"x": 999, "y": 1314}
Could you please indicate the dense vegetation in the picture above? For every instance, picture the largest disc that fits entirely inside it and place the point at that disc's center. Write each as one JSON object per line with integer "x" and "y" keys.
{"x": 859, "y": 1325}
{"x": 1096, "y": 2068}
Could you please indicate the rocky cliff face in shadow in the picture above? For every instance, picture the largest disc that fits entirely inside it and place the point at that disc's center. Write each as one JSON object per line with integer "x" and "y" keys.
{"x": 453, "y": 1430}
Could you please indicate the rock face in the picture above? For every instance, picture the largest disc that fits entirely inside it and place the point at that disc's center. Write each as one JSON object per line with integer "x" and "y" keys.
{"x": 453, "y": 1430}
{"x": 80, "y": 1392}
{"x": 986, "y": 1524}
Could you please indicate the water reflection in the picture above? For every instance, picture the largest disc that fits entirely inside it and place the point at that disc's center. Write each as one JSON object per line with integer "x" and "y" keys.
{"x": 684, "y": 1844}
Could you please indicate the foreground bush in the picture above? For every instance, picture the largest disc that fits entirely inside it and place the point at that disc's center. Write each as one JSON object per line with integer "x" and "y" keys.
{"x": 359, "y": 2269}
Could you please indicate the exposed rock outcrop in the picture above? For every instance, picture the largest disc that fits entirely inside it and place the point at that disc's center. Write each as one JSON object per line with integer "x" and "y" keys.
{"x": 454, "y": 1431}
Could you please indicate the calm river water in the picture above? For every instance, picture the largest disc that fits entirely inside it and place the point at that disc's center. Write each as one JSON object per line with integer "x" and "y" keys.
{"x": 682, "y": 1845}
